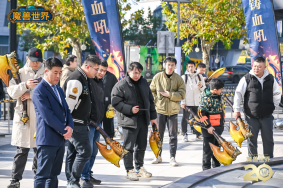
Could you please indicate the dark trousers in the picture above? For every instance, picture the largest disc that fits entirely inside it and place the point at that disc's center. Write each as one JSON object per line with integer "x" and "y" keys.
{"x": 135, "y": 141}
{"x": 20, "y": 161}
{"x": 184, "y": 123}
{"x": 266, "y": 127}
{"x": 172, "y": 126}
{"x": 108, "y": 126}
{"x": 79, "y": 152}
{"x": 208, "y": 154}
{"x": 50, "y": 160}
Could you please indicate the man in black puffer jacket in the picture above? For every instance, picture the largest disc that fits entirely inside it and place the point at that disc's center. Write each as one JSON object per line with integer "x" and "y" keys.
{"x": 133, "y": 100}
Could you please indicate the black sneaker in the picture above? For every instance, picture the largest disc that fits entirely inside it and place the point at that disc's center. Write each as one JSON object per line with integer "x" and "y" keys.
{"x": 94, "y": 181}
{"x": 15, "y": 183}
{"x": 86, "y": 184}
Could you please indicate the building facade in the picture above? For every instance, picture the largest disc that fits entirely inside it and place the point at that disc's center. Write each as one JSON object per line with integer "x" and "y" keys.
{"x": 146, "y": 4}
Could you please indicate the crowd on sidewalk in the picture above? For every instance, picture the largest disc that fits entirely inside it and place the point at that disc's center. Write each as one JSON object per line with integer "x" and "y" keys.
{"x": 62, "y": 106}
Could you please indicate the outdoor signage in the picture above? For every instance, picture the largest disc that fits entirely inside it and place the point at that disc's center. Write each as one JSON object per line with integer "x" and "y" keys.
{"x": 262, "y": 34}
{"x": 104, "y": 25}
{"x": 263, "y": 172}
{"x": 30, "y": 14}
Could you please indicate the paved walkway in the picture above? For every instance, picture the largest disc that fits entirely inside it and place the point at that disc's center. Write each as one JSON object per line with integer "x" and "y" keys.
{"x": 189, "y": 157}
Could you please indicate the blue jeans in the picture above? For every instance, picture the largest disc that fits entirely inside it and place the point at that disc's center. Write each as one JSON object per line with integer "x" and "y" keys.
{"x": 93, "y": 135}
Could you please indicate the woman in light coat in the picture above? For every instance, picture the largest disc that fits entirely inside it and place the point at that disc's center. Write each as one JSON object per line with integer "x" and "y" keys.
{"x": 22, "y": 134}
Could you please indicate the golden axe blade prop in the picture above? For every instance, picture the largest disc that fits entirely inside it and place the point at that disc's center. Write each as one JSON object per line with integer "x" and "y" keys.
{"x": 155, "y": 141}
{"x": 216, "y": 74}
{"x": 238, "y": 135}
{"x": 229, "y": 153}
{"x": 9, "y": 62}
{"x": 116, "y": 152}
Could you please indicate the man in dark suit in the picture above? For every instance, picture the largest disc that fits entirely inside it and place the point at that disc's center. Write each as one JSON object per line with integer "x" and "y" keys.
{"x": 54, "y": 125}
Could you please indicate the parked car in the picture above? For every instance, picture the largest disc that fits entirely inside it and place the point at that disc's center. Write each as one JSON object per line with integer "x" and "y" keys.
{"x": 234, "y": 73}
{"x": 248, "y": 65}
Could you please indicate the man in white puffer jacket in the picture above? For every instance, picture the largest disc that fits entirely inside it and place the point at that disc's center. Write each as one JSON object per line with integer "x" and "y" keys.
{"x": 194, "y": 86}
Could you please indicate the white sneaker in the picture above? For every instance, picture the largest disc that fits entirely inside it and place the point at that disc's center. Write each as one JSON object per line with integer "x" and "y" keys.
{"x": 157, "y": 160}
{"x": 132, "y": 175}
{"x": 185, "y": 139}
{"x": 143, "y": 173}
{"x": 173, "y": 162}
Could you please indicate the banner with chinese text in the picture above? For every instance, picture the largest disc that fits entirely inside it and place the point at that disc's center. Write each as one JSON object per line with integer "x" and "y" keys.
{"x": 262, "y": 34}
{"x": 104, "y": 25}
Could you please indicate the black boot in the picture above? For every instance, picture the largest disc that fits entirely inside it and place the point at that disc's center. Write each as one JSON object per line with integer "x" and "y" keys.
{"x": 94, "y": 181}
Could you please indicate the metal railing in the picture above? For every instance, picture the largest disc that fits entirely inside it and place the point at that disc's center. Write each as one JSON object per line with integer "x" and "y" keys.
{"x": 6, "y": 111}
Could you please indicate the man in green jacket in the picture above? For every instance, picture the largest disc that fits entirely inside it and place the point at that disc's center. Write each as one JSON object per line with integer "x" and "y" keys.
{"x": 168, "y": 88}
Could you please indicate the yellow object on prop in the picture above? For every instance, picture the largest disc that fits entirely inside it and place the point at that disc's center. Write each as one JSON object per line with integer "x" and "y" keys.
{"x": 198, "y": 128}
{"x": 236, "y": 134}
{"x": 244, "y": 128}
{"x": 116, "y": 152}
{"x": 110, "y": 112}
{"x": 153, "y": 145}
{"x": 109, "y": 155}
{"x": 222, "y": 156}
{"x": 216, "y": 74}
{"x": 8, "y": 62}
{"x": 210, "y": 72}
{"x": 34, "y": 135}
{"x": 155, "y": 141}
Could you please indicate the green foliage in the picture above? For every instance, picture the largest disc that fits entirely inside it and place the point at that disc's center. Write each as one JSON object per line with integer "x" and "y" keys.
{"x": 69, "y": 26}
{"x": 69, "y": 22}
{"x": 125, "y": 6}
{"x": 210, "y": 21}
{"x": 142, "y": 30}
{"x": 28, "y": 40}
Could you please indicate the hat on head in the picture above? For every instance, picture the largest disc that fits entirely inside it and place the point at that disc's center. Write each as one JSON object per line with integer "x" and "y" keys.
{"x": 35, "y": 54}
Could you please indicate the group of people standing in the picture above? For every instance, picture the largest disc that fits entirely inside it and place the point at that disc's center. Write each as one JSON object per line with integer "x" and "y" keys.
{"x": 57, "y": 114}
{"x": 60, "y": 113}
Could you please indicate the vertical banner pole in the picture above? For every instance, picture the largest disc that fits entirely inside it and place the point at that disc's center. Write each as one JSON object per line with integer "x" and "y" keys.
{"x": 12, "y": 48}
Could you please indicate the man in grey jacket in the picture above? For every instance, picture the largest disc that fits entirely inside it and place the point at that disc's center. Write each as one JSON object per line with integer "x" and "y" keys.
{"x": 261, "y": 93}
{"x": 133, "y": 100}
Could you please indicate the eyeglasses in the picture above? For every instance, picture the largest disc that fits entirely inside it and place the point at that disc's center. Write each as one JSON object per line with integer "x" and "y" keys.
{"x": 94, "y": 68}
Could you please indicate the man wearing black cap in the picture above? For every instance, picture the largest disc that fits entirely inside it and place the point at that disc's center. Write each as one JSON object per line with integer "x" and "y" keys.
{"x": 22, "y": 135}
